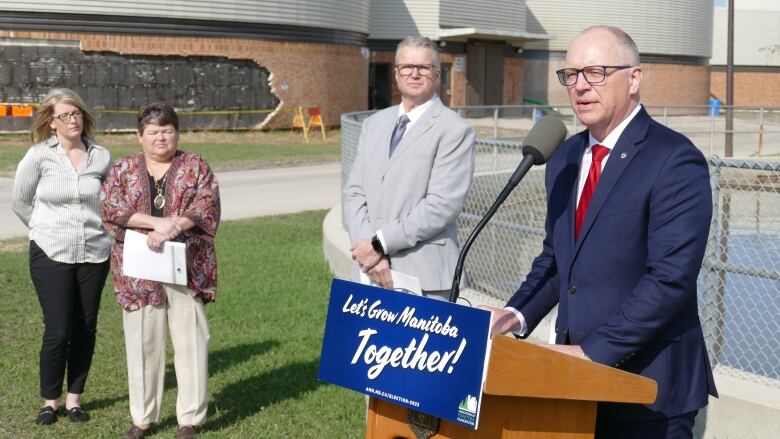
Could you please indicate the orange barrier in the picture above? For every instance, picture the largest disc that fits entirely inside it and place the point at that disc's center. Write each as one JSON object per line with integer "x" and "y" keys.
{"x": 16, "y": 110}
{"x": 22, "y": 111}
{"x": 315, "y": 118}
{"x": 299, "y": 122}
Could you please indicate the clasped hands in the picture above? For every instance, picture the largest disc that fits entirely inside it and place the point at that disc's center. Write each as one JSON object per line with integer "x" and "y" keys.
{"x": 373, "y": 263}
{"x": 165, "y": 229}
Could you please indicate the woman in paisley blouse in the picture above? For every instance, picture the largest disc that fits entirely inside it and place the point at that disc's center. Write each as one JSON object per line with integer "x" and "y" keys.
{"x": 170, "y": 195}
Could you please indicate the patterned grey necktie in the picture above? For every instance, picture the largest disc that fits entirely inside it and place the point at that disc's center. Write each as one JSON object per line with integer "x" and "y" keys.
{"x": 398, "y": 133}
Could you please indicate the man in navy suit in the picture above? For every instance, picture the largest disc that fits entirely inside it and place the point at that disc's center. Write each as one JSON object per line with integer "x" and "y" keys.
{"x": 628, "y": 214}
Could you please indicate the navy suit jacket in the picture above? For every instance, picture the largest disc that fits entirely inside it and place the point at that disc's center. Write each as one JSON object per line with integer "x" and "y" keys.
{"x": 626, "y": 289}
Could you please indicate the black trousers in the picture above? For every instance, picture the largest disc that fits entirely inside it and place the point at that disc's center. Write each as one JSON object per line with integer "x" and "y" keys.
{"x": 69, "y": 295}
{"x": 678, "y": 427}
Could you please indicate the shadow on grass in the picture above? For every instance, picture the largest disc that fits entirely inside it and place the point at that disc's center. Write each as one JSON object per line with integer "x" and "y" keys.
{"x": 226, "y": 358}
{"x": 105, "y": 402}
{"x": 223, "y": 359}
{"x": 247, "y": 397}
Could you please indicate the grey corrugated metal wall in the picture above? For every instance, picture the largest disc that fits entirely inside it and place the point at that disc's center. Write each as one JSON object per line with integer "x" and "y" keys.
{"x": 350, "y": 15}
{"x": 661, "y": 27}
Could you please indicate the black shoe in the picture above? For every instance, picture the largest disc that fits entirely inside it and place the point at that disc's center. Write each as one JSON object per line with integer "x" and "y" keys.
{"x": 186, "y": 432}
{"x": 46, "y": 416}
{"x": 136, "y": 432}
{"x": 75, "y": 414}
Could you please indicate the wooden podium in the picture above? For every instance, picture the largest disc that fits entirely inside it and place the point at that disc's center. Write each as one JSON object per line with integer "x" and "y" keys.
{"x": 530, "y": 392}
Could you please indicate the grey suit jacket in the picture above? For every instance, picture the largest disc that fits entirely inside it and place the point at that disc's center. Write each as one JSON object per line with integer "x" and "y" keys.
{"x": 414, "y": 197}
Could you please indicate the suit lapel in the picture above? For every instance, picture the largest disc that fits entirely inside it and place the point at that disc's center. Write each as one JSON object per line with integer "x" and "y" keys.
{"x": 574, "y": 159}
{"x": 425, "y": 123}
{"x": 627, "y": 147}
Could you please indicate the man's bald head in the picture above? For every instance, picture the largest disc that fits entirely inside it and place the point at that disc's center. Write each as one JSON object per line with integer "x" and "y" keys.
{"x": 629, "y": 52}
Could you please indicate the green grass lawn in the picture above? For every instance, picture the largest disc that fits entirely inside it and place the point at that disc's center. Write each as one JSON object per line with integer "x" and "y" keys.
{"x": 266, "y": 328}
{"x": 222, "y": 149}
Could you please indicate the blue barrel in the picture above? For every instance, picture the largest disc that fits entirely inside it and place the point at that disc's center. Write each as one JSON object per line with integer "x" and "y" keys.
{"x": 714, "y": 107}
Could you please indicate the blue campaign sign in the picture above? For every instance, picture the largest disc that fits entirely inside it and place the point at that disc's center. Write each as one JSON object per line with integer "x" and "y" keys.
{"x": 425, "y": 354}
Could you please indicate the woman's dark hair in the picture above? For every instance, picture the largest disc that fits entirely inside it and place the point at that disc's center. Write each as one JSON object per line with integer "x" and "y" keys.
{"x": 158, "y": 113}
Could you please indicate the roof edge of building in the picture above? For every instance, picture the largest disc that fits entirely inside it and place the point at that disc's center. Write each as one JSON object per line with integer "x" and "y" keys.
{"x": 112, "y": 24}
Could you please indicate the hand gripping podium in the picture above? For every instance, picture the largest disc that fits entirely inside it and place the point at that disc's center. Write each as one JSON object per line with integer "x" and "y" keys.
{"x": 530, "y": 392}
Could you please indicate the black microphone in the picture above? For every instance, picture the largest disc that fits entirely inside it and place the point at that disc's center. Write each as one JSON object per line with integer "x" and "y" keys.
{"x": 539, "y": 145}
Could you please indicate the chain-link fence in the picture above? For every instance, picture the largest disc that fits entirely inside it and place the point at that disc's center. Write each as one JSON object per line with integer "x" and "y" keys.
{"x": 739, "y": 284}
{"x": 755, "y": 131}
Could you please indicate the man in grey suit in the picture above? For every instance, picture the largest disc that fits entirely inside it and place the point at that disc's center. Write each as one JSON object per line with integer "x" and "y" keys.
{"x": 412, "y": 171}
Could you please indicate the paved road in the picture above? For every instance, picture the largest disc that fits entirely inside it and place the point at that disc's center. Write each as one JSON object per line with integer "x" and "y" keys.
{"x": 245, "y": 194}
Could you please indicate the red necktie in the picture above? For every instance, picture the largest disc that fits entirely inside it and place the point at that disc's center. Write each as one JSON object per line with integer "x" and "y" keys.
{"x": 598, "y": 153}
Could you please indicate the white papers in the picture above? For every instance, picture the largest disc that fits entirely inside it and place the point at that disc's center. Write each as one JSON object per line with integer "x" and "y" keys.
{"x": 401, "y": 282}
{"x": 168, "y": 265}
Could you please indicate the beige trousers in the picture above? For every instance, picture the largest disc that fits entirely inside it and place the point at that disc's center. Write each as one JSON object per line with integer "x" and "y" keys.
{"x": 145, "y": 340}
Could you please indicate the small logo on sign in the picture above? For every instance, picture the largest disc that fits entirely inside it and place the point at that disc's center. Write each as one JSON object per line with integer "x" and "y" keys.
{"x": 467, "y": 410}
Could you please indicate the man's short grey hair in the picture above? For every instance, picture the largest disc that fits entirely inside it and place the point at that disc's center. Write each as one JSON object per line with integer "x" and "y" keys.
{"x": 421, "y": 42}
{"x": 628, "y": 47}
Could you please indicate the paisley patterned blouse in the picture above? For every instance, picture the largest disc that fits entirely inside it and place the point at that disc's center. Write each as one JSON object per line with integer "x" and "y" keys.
{"x": 193, "y": 193}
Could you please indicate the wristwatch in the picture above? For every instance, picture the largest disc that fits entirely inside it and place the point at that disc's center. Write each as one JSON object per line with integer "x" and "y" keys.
{"x": 377, "y": 244}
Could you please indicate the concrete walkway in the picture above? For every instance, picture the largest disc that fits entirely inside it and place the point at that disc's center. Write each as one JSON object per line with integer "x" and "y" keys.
{"x": 245, "y": 194}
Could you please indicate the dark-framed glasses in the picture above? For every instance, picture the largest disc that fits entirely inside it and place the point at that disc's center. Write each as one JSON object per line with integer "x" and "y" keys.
{"x": 422, "y": 69}
{"x": 67, "y": 117}
{"x": 592, "y": 74}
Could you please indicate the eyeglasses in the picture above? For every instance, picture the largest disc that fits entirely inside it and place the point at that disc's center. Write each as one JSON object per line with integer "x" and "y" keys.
{"x": 422, "y": 69}
{"x": 592, "y": 74}
{"x": 66, "y": 117}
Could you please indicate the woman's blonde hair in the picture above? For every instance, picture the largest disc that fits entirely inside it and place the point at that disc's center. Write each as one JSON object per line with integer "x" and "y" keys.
{"x": 41, "y": 129}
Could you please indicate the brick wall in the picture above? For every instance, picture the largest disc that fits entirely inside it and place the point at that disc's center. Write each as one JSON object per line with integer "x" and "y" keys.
{"x": 755, "y": 89}
{"x": 333, "y": 77}
{"x": 675, "y": 84}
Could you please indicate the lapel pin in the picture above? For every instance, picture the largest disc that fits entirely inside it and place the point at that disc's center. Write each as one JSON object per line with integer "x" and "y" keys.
{"x": 623, "y": 155}
{"x": 427, "y": 124}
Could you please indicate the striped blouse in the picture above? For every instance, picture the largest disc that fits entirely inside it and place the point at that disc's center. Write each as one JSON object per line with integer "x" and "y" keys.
{"x": 61, "y": 205}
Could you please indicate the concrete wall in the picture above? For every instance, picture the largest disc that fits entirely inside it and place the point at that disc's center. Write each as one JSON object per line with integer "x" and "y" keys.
{"x": 756, "y": 35}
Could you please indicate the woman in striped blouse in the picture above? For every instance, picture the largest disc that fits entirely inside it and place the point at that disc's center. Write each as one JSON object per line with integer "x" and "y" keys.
{"x": 57, "y": 196}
